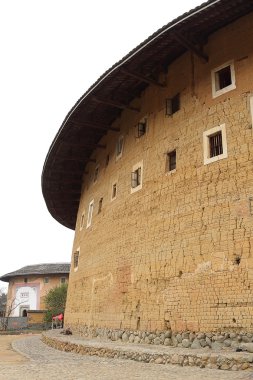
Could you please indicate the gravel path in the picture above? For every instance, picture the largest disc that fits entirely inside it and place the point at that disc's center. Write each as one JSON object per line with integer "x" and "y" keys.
{"x": 47, "y": 363}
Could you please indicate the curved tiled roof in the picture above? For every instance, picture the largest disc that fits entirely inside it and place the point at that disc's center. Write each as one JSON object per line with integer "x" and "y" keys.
{"x": 38, "y": 269}
{"x": 94, "y": 113}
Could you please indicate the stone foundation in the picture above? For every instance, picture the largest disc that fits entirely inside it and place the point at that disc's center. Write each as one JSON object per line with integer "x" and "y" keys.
{"x": 187, "y": 339}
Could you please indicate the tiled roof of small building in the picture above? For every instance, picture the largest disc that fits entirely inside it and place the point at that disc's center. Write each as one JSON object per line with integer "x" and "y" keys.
{"x": 42, "y": 269}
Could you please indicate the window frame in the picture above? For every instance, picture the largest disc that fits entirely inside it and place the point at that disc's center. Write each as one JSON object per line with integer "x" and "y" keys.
{"x": 137, "y": 168}
{"x": 119, "y": 143}
{"x": 96, "y": 174}
{"x": 206, "y": 144}
{"x": 114, "y": 196}
{"x": 168, "y": 161}
{"x": 46, "y": 280}
{"x": 76, "y": 257}
{"x": 90, "y": 213}
{"x": 217, "y": 92}
{"x": 172, "y": 105}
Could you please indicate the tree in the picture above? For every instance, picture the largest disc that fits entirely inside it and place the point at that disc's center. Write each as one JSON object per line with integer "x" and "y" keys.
{"x": 3, "y": 300}
{"x": 55, "y": 301}
{"x": 9, "y": 308}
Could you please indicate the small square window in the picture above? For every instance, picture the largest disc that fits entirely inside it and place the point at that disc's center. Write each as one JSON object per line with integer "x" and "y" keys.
{"x": 114, "y": 191}
{"x": 215, "y": 144}
{"x": 136, "y": 177}
{"x": 172, "y": 105}
{"x": 96, "y": 174}
{"x": 76, "y": 260}
{"x": 46, "y": 280}
{"x": 223, "y": 79}
{"x": 25, "y": 280}
{"x": 100, "y": 204}
{"x": 171, "y": 161}
{"x": 63, "y": 280}
{"x": 90, "y": 212}
{"x": 119, "y": 147}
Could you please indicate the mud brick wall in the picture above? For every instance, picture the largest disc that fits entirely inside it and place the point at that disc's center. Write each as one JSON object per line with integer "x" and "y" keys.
{"x": 177, "y": 253}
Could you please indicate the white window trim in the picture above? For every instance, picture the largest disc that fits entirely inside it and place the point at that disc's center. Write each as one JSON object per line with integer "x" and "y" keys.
{"x": 232, "y": 86}
{"x": 77, "y": 250}
{"x": 118, "y": 156}
{"x": 114, "y": 183}
{"x": 90, "y": 213}
{"x": 206, "y": 147}
{"x": 135, "y": 167}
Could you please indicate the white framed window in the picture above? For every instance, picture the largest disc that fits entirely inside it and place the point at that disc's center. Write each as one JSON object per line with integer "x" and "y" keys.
{"x": 223, "y": 79}
{"x": 90, "y": 212}
{"x": 114, "y": 191}
{"x": 171, "y": 161}
{"x": 76, "y": 259}
{"x": 136, "y": 177}
{"x": 119, "y": 147}
{"x": 215, "y": 144}
{"x": 82, "y": 221}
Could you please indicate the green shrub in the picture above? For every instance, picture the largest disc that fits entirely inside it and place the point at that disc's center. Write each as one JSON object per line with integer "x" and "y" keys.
{"x": 55, "y": 301}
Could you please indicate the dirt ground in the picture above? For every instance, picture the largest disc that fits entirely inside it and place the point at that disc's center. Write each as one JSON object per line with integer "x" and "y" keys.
{"x": 7, "y": 354}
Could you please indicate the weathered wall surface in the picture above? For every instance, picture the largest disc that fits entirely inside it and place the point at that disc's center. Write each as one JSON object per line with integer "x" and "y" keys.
{"x": 178, "y": 252}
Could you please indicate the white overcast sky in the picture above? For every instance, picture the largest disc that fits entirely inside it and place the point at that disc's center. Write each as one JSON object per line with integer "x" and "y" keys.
{"x": 51, "y": 52}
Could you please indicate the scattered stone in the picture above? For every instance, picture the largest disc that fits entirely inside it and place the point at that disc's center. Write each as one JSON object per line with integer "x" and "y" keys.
{"x": 131, "y": 338}
{"x": 246, "y": 347}
{"x": 246, "y": 339}
{"x": 157, "y": 341}
{"x": 216, "y": 346}
{"x": 195, "y": 344}
{"x": 227, "y": 342}
{"x": 186, "y": 343}
{"x": 159, "y": 360}
{"x": 167, "y": 334}
{"x": 137, "y": 339}
{"x": 125, "y": 337}
{"x": 168, "y": 342}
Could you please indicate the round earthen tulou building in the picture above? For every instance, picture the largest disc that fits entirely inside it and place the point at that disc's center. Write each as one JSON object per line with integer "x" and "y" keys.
{"x": 153, "y": 168}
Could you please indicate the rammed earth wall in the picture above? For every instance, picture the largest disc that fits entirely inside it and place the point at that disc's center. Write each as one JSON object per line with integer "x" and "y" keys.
{"x": 176, "y": 254}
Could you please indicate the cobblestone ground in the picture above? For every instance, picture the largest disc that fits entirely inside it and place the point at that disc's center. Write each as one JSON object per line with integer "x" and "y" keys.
{"x": 46, "y": 363}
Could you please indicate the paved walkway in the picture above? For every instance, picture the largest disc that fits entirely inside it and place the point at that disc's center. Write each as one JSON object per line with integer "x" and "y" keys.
{"x": 47, "y": 363}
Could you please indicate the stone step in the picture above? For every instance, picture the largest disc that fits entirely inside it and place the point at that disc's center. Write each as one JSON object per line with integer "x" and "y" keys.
{"x": 203, "y": 358}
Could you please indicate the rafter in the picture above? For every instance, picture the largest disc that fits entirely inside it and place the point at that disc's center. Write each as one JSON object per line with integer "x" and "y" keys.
{"x": 90, "y": 124}
{"x": 142, "y": 78}
{"x": 114, "y": 103}
{"x": 83, "y": 144}
{"x": 190, "y": 46}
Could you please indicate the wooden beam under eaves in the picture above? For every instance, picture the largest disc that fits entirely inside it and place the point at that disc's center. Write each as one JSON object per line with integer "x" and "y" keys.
{"x": 81, "y": 144}
{"x": 115, "y": 104}
{"x": 90, "y": 124}
{"x": 142, "y": 78}
{"x": 190, "y": 46}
